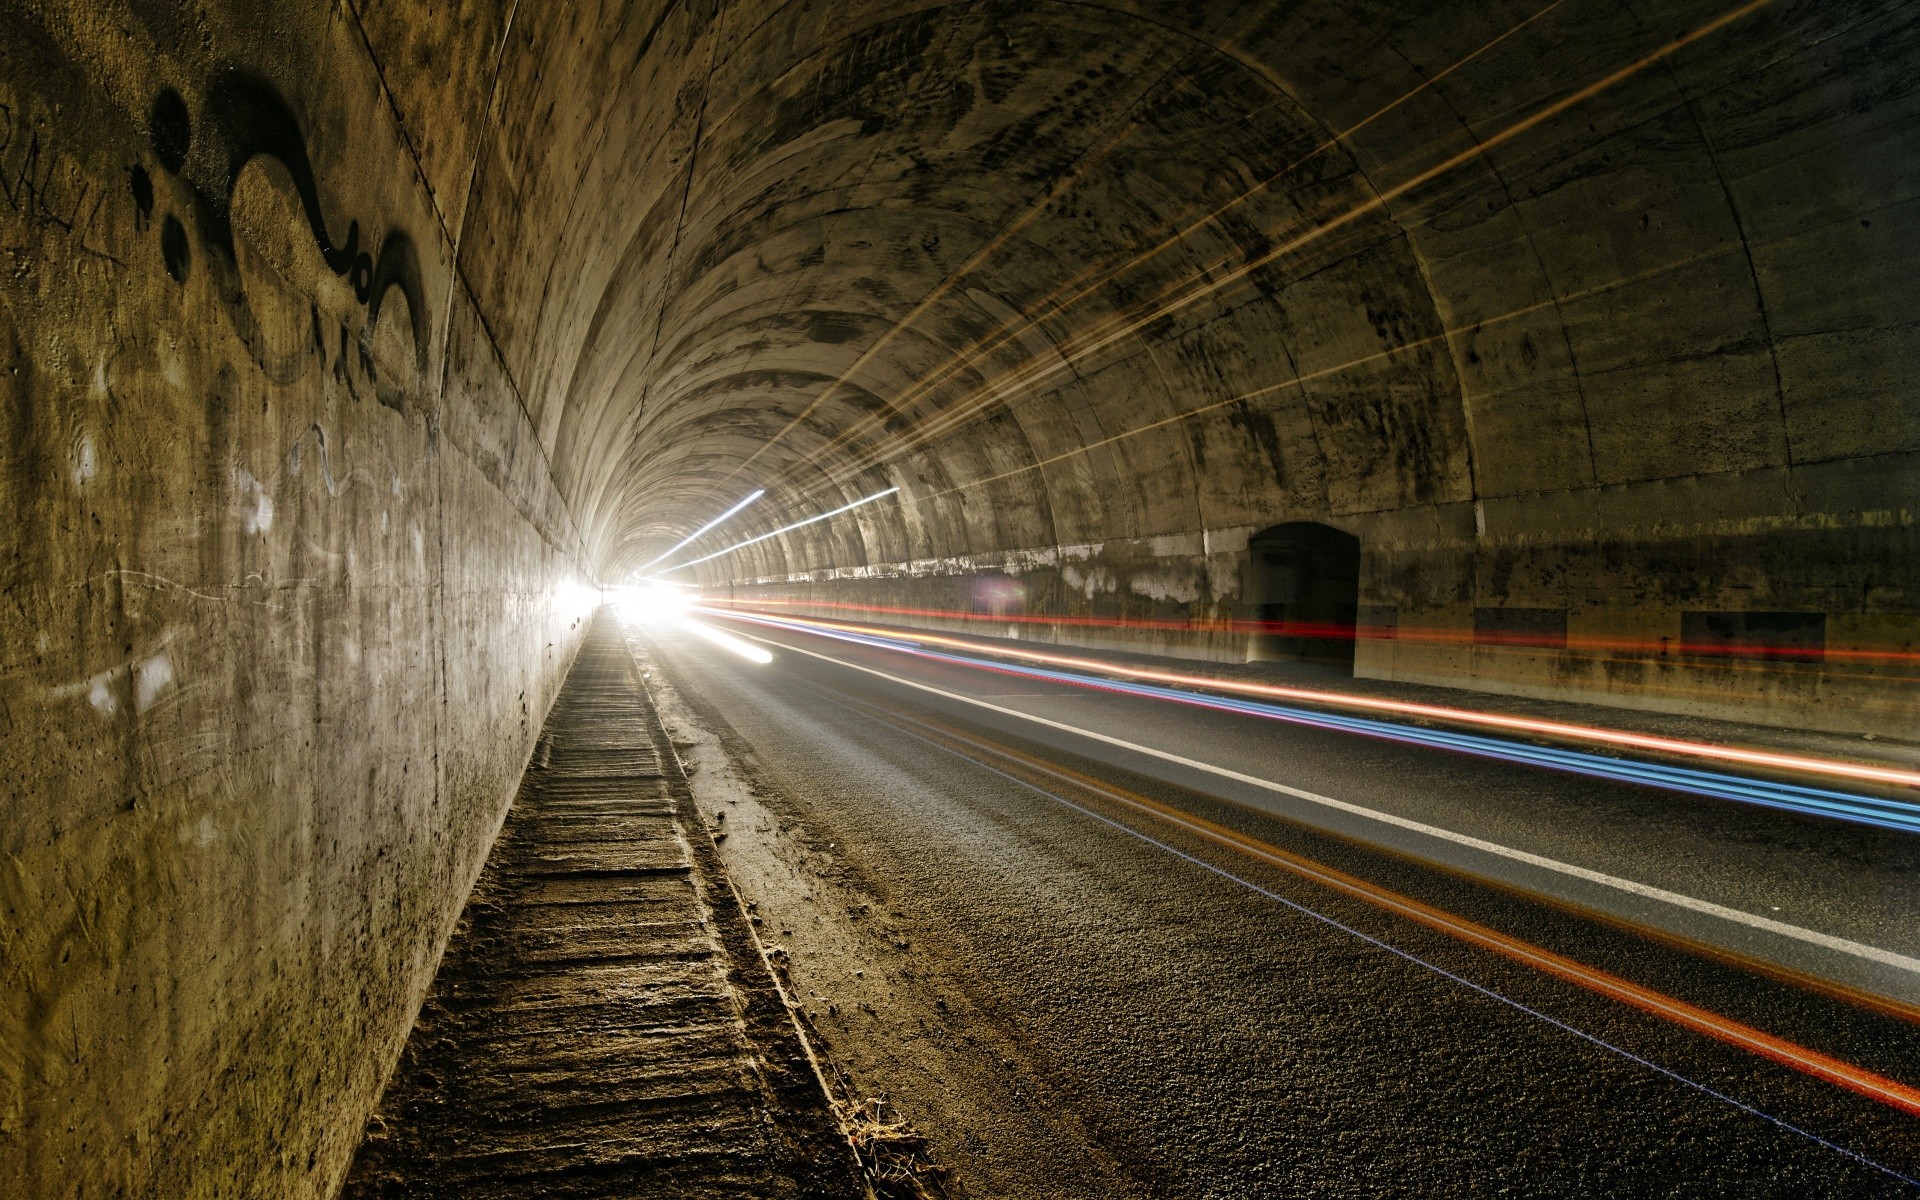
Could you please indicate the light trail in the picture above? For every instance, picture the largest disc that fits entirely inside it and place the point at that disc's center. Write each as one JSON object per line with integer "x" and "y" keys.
{"x": 897, "y": 403}
{"x": 1223, "y": 273}
{"x": 1034, "y": 210}
{"x": 1883, "y": 813}
{"x": 1860, "y": 951}
{"x": 1394, "y": 633}
{"x": 951, "y": 420}
{"x": 755, "y": 495}
{"x": 1049, "y": 308}
{"x": 727, "y": 641}
{"x": 1826, "y": 1068}
{"x": 783, "y": 529}
{"x": 1208, "y": 282}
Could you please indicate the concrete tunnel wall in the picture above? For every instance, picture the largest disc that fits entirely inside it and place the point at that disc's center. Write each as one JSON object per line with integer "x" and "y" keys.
{"x": 344, "y": 343}
{"x": 289, "y": 588}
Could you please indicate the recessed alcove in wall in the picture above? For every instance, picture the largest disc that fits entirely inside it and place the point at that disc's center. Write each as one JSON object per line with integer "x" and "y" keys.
{"x": 1305, "y": 592}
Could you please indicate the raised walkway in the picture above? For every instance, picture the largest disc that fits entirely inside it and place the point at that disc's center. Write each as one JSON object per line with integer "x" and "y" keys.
{"x": 603, "y": 1024}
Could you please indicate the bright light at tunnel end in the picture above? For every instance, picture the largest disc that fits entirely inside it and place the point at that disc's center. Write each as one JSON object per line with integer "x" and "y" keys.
{"x": 574, "y": 599}
{"x": 659, "y": 605}
{"x": 652, "y": 603}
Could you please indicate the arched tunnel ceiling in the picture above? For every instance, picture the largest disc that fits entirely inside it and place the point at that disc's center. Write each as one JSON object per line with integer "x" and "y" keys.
{"x": 1066, "y": 272}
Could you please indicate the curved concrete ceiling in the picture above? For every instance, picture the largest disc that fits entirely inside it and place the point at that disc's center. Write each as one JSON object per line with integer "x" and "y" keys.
{"x": 1069, "y": 272}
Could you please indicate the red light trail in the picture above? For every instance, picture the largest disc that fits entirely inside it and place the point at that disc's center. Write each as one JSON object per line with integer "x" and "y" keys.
{"x": 1418, "y": 635}
{"x": 1802, "y": 764}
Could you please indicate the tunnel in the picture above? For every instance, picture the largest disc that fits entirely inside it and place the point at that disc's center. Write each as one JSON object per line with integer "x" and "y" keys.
{"x": 478, "y": 476}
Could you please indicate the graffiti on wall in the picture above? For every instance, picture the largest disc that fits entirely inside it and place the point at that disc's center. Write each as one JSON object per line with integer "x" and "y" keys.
{"x": 243, "y": 119}
{"x": 42, "y": 185}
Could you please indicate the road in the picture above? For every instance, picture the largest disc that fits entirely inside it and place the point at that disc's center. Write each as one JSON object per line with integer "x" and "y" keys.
{"x": 1096, "y": 944}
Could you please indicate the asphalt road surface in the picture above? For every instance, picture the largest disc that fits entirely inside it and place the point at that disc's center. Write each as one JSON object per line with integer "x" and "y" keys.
{"x": 1136, "y": 948}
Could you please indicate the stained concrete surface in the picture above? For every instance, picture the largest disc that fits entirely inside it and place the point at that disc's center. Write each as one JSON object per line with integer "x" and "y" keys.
{"x": 603, "y": 1024}
{"x": 288, "y": 589}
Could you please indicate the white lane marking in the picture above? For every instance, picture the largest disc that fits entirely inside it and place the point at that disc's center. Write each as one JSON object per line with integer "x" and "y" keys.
{"x": 1648, "y": 891}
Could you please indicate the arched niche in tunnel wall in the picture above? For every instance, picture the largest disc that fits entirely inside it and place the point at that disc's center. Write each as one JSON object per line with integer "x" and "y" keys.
{"x": 1305, "y": 589}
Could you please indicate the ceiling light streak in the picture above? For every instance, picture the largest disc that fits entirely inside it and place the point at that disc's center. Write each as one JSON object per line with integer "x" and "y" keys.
{"x": 1034, "y": 209}
{"x": 1322, "y": 373}
{"x": 1206, "y": 283}
{"x": 1592, "y": 734}
{"x": 1223, "y": 274}
{"x": 1048, "y": 307}
{"x": 784, "y": 529}
{"x": 755, "y": 495}
{"x": 896, "y": 403}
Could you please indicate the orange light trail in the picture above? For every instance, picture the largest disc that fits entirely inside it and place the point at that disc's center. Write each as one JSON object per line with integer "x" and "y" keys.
{"x": 1221, "y": 275}
{"x": 1890, "y": 1092}
{"x": 1374, "y": 633}
{"x": 1033, "y": 211}
{"x": 960, "y": 417}
{"x": 1047, "y": 305}
{"x": 1590, "y": 734}
{"x": 1206, "y": 283}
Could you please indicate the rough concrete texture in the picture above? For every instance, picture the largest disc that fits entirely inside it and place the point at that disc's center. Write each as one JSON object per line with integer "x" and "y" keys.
{"x": 288, "y": 589}
{"x": 604, "y": 1024}
{"x": 340, "y": 340}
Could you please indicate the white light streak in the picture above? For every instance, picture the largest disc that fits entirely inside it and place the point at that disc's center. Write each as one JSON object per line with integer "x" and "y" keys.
{"x": 676, "y": 547}
{"x": 727, "y": 641}
{"x": 784, "y": 529}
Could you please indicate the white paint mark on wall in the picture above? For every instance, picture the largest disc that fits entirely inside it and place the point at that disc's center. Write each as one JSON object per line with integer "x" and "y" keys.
{"x": 86, "y": 460}
{"x": 1232, "y": 540}
{"x": 147, "y": 677}
{"x": 255, "y": 506}
{"x": 151, "y": 677}
{"x": 1179, "y": 588}
{"x": 1223, "y": 577}
{"x": 201, "y": 833}
{"x": 1097, "y": 582}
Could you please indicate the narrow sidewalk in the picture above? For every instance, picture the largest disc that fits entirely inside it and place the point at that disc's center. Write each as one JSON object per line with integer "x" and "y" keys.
{"x": 603, "y": 1024}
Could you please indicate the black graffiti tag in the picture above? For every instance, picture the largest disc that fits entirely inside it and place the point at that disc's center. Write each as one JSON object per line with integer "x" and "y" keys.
{"x": 245, "y": 118}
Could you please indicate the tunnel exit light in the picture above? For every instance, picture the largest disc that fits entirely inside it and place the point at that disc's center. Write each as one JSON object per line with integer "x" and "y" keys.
{"x": 651, "y": 603}
{"x": 575, "y": 598}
